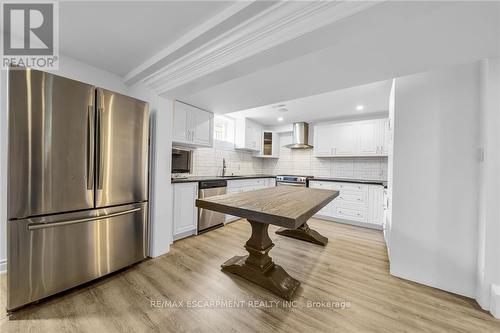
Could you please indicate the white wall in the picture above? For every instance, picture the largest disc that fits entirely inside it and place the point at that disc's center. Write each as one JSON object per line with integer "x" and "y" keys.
{"x": 80, "y": 71}
{"x": 161, "y": 110}
{"x": 435, "y": 183}
{"x": 160, "y": 191}
{"x": 488, "y": 270}
{"x": 161, "y": 224}
{"x": 390, "y": 171}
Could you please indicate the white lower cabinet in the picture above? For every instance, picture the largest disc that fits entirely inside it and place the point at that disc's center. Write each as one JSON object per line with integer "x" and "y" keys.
{"x": 376, "y": 204}
{"x": 185, "y": 212}
{"x": 358, "y": 203}
{"x": 245, "y": 185}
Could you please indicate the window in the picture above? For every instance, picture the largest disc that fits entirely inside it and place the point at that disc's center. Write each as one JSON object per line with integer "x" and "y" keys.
{"x": 224, "y": 130}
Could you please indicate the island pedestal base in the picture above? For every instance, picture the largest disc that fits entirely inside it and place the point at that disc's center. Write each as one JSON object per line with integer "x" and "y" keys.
{"x": 304, "y": 233}
{"x": 258, "y": 266}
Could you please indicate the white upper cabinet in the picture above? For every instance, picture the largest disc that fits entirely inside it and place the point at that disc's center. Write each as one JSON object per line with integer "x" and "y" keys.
{"x": 192, "y": 126}
{"x": 323, "y": 141}
{"x": 358, "y": 138}
{"x": 180, "y": 130}
{"x": 270, "y": 145}
{"x": 345, "y": 139}
{"x": 368, "y": 137}
{"x": 248, "y": 135}
{"x": 202, "y": 124}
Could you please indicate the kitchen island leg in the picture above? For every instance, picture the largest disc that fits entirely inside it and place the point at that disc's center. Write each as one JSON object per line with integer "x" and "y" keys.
{"x": 304, "y": 233}
{"x": 258, "y": 266}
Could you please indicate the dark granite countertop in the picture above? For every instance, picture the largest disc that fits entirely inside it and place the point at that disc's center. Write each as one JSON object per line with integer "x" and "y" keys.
{"x": 348, "y": 180}
{"x": 204, "y": 178}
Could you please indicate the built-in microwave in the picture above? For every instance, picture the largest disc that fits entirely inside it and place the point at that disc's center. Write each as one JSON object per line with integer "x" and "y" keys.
{"x": 181, "y": 160}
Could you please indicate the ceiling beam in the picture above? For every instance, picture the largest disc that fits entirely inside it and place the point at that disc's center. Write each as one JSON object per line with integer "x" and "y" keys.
{"x": 276, "y": 24}
{"x": 150, "y": 65}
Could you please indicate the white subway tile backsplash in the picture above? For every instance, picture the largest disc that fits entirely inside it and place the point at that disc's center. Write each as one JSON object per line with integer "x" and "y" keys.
{"x": 208, "y": 162}
{"x": 302, "y": 162}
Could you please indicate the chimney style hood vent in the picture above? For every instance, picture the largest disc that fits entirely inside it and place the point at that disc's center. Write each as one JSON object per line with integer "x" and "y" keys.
{"x": 300, "y": 136}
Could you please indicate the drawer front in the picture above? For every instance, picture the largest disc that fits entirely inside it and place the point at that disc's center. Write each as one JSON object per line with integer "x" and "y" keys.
{"x": 246, "y": 182}
{"x": 323, "y": 185}
{"x": 351, "y": 214}
{"x": 351, "y": 187}
{"x": 357, "y": 197}
{"x": 65, "y": 250}
{"x": 338, "y": 186}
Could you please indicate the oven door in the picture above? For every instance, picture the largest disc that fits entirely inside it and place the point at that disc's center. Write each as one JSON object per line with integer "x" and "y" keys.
{"x": 290, "y": 184}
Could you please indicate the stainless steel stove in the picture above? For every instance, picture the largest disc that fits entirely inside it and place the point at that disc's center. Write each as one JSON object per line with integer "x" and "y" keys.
{"x": 288, "y": 180}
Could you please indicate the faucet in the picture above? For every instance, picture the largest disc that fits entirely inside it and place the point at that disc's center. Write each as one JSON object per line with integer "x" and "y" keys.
{"x": 223, "y": 167}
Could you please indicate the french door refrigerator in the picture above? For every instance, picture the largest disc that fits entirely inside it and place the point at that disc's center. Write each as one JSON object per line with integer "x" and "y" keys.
{"x": 77, "y": 184}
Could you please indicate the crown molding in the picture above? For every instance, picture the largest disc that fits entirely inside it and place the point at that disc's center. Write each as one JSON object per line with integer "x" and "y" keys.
{"x": 138, "y": 73}
{"x": 277, "y": 24}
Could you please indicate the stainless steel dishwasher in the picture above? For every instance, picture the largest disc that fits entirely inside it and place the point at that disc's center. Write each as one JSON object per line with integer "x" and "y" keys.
{"x": 208, "y": 219}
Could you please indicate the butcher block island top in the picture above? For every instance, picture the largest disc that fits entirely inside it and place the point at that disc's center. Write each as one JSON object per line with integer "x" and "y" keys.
{"x": 285, "y": 206}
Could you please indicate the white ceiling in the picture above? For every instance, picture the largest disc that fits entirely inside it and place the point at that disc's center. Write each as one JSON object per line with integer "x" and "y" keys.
{"x": 119, "y": 36}
{"x": 355, "y": 43}
{"x": 392, "y": 39}
{"x": 327, "y": 106}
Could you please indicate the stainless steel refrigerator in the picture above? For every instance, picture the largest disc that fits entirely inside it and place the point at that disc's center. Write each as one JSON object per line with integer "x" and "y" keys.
{"x": 77, "y": 184}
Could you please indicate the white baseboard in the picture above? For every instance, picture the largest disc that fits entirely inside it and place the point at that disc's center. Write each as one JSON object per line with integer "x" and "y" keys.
{"x": 3, "y": 266}
{"x": 495, "y": 300}
{"x": 356, "y": 223}
{"x": 185, "y": 234}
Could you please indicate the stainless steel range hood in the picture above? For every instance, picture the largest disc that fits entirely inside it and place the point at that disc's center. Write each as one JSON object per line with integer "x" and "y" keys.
{"x": 300, "y": 136}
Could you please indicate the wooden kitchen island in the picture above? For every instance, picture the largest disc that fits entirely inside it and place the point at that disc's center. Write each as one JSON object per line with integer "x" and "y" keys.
{"x": 288, "y": 207}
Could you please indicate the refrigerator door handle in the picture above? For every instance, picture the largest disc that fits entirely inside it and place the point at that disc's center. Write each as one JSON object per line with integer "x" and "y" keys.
{"x": 37, "y": 226}
{"x": 90, "y": 148}
{"x": 100, "y": 158}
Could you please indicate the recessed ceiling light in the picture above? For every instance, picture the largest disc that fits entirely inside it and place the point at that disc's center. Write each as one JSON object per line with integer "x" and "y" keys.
{"x": 359, "y": 107}
{"x": 280, "y": 118}
{"x": 282, "y": 110}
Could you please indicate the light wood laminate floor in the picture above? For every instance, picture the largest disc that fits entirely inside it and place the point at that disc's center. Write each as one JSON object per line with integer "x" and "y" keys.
{"x": 353, "y": 267}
